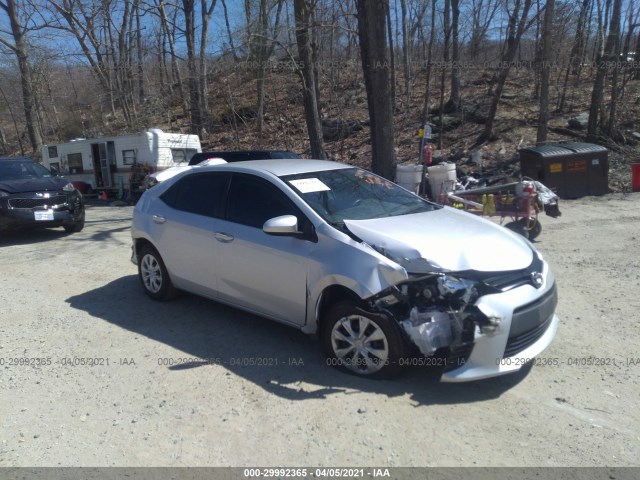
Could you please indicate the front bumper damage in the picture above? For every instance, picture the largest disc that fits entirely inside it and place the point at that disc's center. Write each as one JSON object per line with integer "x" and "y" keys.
{"x": 484, "y": 324}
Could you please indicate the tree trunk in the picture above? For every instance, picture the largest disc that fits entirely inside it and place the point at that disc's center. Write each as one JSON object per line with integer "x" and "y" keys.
{"x": 228, "y": 27}
{"x": 604, "y": 60}
{"x": 192, "y": 69}
{"x": 427, "y": 93}
{"x": 302, "y": 15}
{"x": 547, "y": 40}
{"x": 406, "y": 54}
{"x": 19, "y": 48}
{"x": 577, "y": 53}
{"x": 263, "y": 25}
{"x": 443, "y": 68}
{"x": 613, "y": 54}
{"x": 206, "y": 12}
{"x": 453, "y": 104}
{"x": 517, "y": 26}
{"x": 392, "y": 61}
{"x": 375, "y": 67}
{"x": 140, "y": 59}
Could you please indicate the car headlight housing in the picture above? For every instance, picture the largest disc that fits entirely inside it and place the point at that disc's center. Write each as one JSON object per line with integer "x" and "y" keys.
{"x": 68, "y": 187}
{"x": 3, "y": 194}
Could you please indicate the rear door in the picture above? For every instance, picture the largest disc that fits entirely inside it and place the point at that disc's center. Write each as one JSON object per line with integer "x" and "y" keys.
{"x": 185, "y": 230}
{"x": 264, "y": 273}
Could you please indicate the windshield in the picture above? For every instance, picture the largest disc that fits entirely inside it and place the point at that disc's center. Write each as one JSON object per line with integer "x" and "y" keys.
{"x": 354, "y": 194}
{"x": 22, "y": 170}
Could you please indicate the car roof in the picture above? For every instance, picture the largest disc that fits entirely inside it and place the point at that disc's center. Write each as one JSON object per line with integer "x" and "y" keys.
{"x": 280, "y": 167}
{"x": 242, "y": 155}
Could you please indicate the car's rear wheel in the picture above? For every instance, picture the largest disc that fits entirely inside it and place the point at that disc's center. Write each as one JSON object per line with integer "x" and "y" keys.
{"x": 153, "y": 274}
{"x": 362, "y": 342}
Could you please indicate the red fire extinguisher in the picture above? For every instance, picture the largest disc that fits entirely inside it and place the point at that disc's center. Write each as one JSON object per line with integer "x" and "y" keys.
{"x": 427, "y": 154}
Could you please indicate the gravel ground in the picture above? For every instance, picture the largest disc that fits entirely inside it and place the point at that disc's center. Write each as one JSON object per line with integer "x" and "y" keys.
{"x": 151, "y": 397}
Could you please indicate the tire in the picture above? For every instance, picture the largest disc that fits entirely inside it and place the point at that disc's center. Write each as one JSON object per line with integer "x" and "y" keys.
{"x": 78, "y": 219}
{"x": 153, "y": 274}
{"x": 529, "y": 228}
{"x": 75, "y": 227}
{"x": 532, "y": 226}
{"x": 518, "y": 228}
{"x": 361, "y": 342}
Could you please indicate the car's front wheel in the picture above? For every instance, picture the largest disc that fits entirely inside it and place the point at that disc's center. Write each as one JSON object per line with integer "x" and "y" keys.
{"x": 75, "y": 227}
{"x": 362, "y": 342}
{"x": 153, "y": 274}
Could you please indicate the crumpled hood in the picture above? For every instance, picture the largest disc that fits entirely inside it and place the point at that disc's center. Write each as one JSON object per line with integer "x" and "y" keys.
{"x": 447, "y": 239}
{"x": 33, "y": 184}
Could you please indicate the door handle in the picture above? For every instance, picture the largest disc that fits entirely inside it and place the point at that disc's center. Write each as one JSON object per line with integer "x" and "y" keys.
{"x": 158, "y": 219}
{"x": 224, "y": 237}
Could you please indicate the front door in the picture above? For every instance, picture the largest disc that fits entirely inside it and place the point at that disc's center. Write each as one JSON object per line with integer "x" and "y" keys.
{"x": 101, "y": 165}
{"x": 264, "y": 273}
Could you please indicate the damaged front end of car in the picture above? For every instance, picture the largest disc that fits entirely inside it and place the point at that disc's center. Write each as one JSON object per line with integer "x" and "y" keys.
{"x": 436, "y": 311}
{"x": 449, "y": 314}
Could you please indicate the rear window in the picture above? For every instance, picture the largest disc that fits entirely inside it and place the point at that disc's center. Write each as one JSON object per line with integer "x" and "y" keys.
{"x": 200, "y": 194}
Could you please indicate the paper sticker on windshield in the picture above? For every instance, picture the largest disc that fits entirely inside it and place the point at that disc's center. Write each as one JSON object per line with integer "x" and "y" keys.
{"x": 309, "y": 185}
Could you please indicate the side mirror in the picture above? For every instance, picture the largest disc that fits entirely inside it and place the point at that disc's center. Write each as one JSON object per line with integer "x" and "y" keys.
{"x": 283, "y": 225}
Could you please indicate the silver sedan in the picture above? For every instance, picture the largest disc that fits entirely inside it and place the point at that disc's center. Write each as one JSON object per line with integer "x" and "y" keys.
{"x": 381, "y": 275}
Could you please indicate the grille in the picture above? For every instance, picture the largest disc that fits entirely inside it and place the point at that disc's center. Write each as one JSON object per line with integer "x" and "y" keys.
{"x": 530, "y": 322}
{"x": 517, "y": 278}
{"x": 37, "y": 202}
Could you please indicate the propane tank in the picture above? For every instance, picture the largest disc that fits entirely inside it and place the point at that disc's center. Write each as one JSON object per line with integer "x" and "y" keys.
{"x": 427, "y": 154}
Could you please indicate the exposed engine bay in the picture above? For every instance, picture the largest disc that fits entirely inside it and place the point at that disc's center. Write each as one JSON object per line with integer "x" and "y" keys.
{"x": 436, "y": 311}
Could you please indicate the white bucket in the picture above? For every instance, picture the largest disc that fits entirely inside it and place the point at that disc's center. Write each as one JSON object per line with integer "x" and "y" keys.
{"x": 442, "y": 179}
{"x": 409, "y": 176}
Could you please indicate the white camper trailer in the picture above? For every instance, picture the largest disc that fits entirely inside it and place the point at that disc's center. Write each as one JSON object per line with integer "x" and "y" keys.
{"x": 106, "y": 162}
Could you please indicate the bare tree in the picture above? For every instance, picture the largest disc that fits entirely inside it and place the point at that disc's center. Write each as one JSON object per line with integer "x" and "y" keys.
{"x": 302, "y": 12}
{"x": 444, "y": 63}
{"x": 140, "y": 56}
{"x": 547, "y": 40}
{"x": 375, "y": 66}
{"x": 482, "y": 14}
{"x": 168, "y": 28}
{"x": 429, "y": 57}
{"x": 576, "y": 55}
{"x": 15, "y": 41}
{"x": 517, "y": 25}
{"x": 206, "y": 12}
{"x": 228, "y": 27}
{"x": 265, "y": 46}
{"x": 605, "y": 61}
{"x": 406, "y": 54}
{"x": 453, "y": 104}
{"x": 106, "y": 50}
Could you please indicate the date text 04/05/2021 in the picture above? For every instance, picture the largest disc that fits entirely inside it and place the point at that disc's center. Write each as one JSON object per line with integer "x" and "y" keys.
{"x": 324, "y": 472}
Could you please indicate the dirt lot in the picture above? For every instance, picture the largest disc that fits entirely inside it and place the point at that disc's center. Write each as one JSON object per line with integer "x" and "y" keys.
{"x": 68, "y": 298}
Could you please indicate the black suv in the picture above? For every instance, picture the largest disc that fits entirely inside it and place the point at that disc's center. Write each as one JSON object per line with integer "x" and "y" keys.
{"x": 242, "y": 155}
{"x": 31, "y": 196}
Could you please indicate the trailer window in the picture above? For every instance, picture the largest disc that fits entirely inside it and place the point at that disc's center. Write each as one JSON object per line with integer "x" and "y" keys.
{"x": 128, "y": 157}
{"x": 74, "y": 161}
{"x": 181, "y": 155}
{"x": 53, "y": 152}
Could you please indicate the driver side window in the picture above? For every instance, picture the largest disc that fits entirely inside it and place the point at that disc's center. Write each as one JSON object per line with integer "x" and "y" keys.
{"x": 253, "y": 201}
